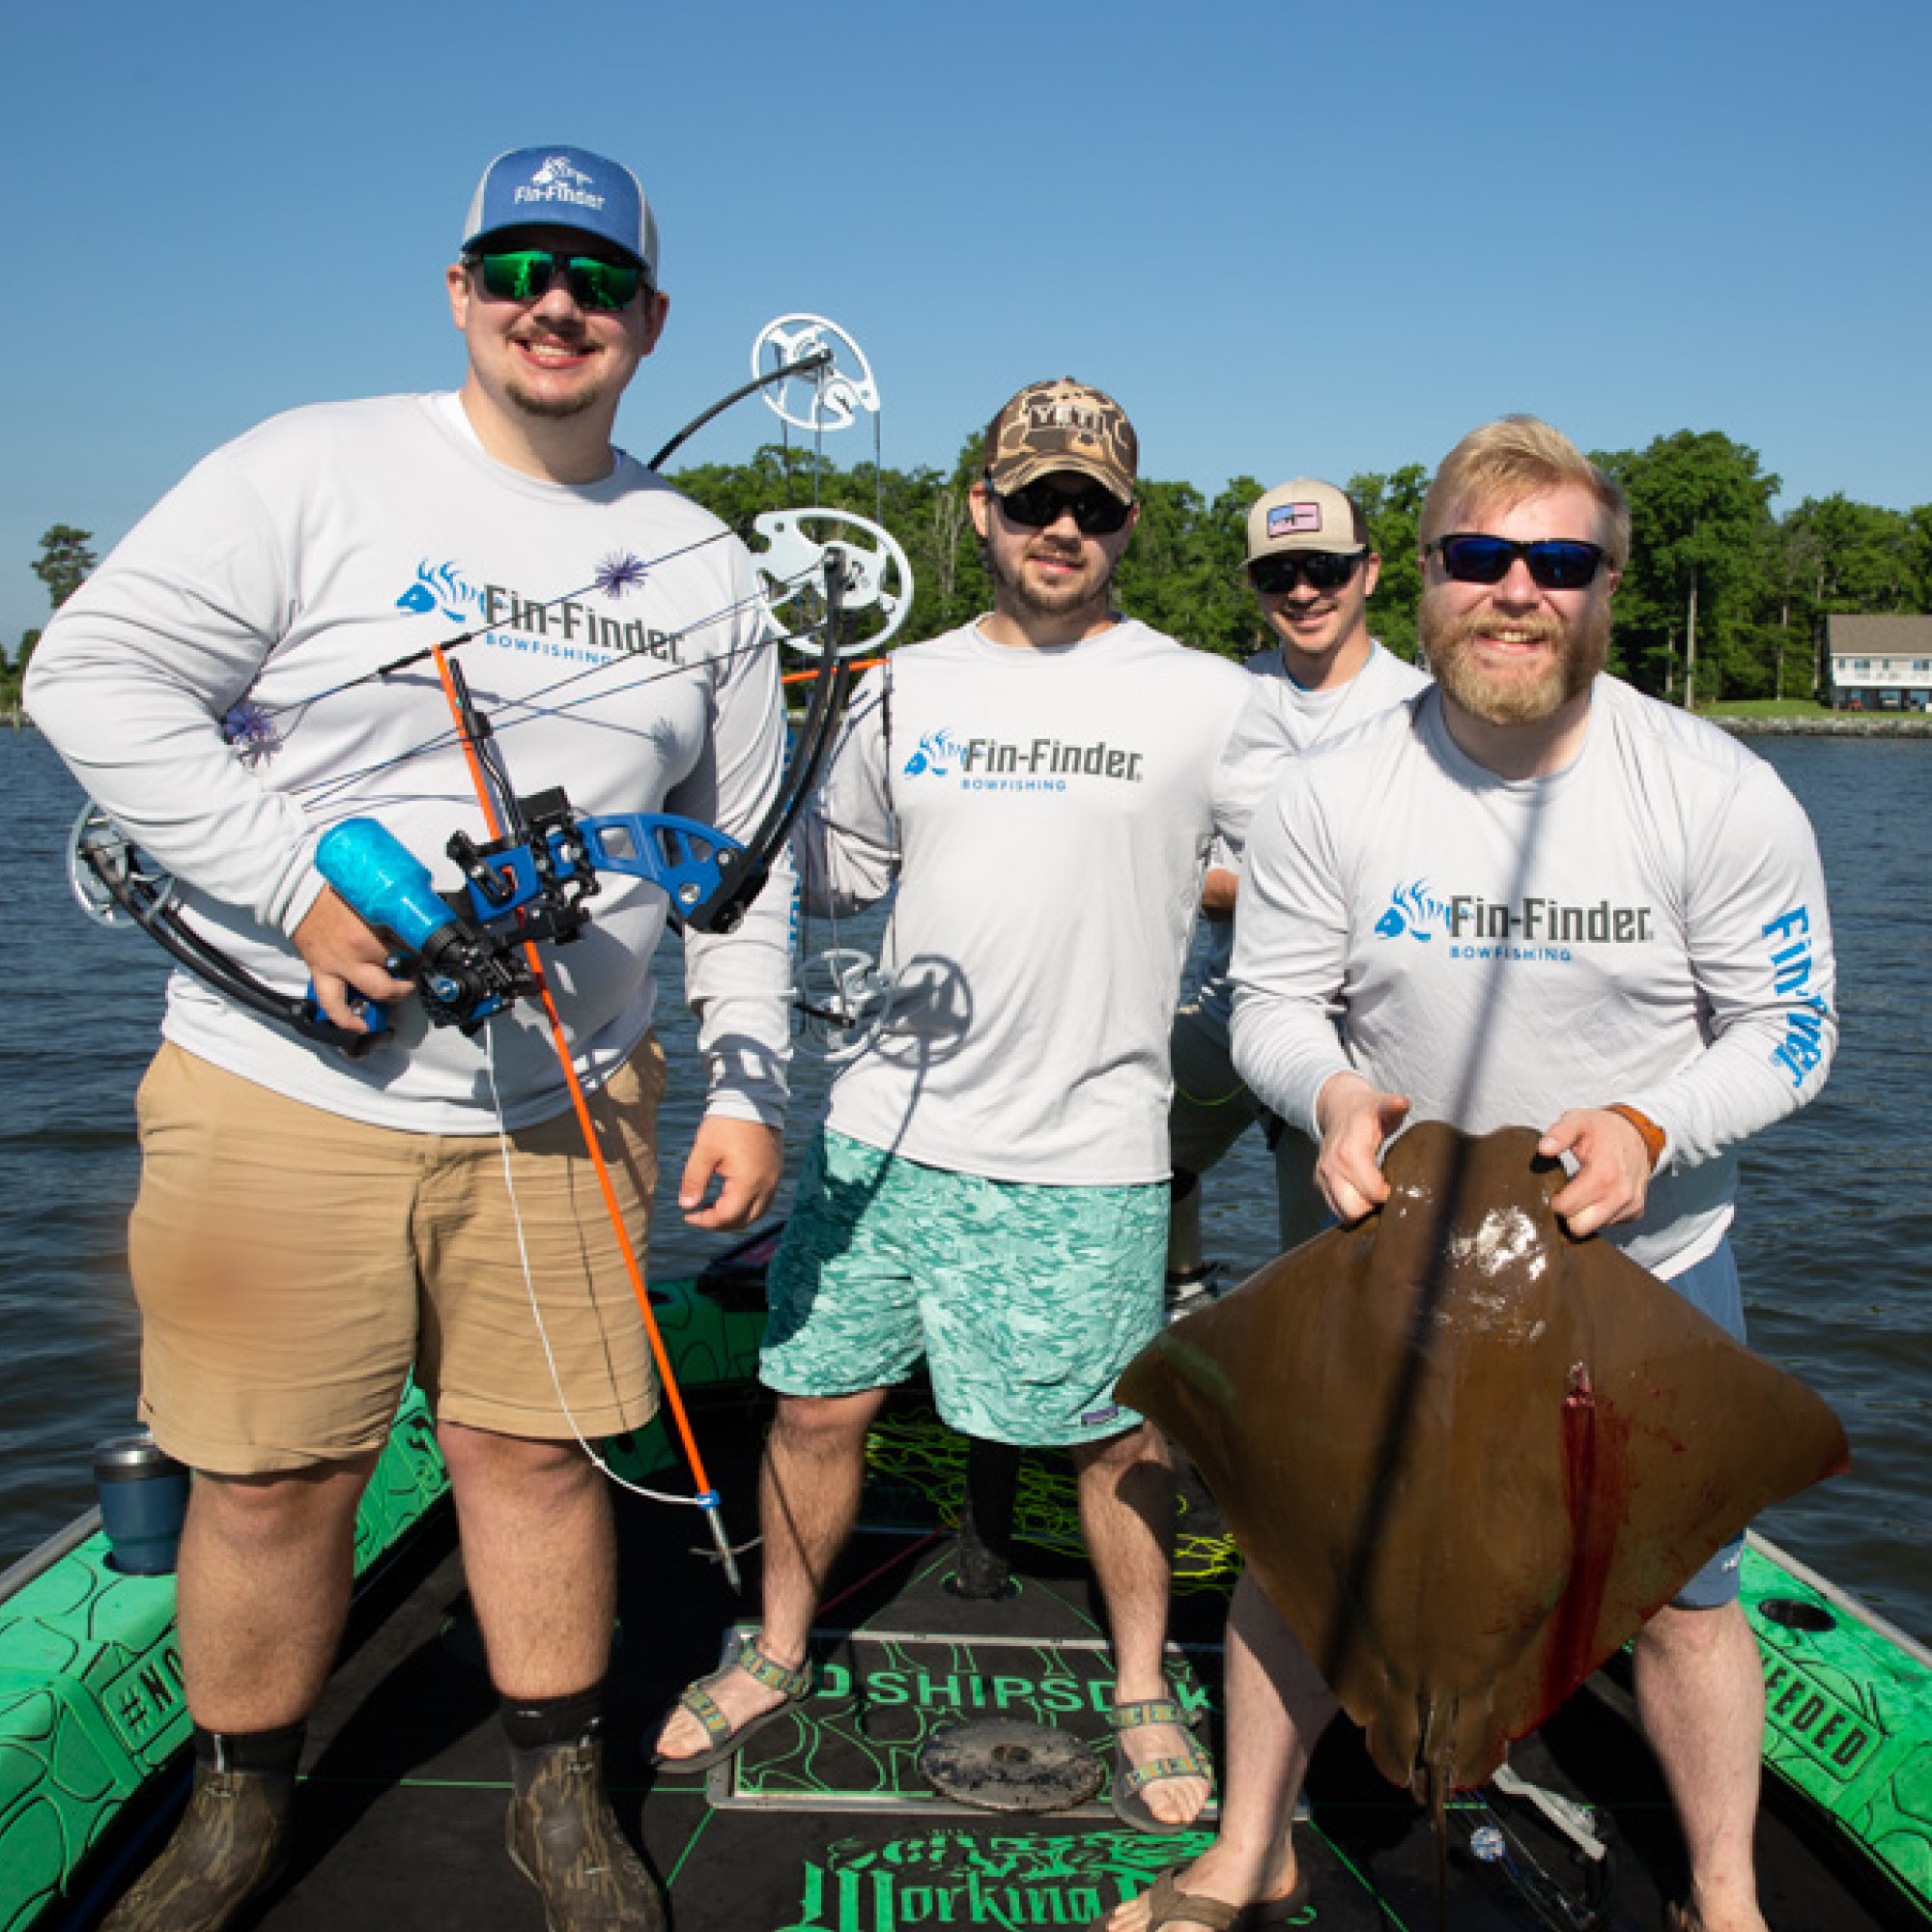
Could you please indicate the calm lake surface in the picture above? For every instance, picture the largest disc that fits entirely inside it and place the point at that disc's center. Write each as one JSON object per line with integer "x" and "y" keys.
{"x": 1832, "y": 1235}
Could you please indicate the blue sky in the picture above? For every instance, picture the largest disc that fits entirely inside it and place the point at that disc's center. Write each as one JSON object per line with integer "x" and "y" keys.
{"x": 1289, "y": 238}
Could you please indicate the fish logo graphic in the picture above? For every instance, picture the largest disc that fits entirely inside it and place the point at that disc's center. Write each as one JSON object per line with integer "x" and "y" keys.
{"x": 558, "y": 172}
{"x": 1411, "y": 910}
{"x": 440, "y": 587}
{"x": 938, "y": 752}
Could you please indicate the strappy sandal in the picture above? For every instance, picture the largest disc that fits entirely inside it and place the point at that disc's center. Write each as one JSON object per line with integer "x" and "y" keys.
{"x": 794, "y": 1686}
{"x": 1131, "y": 1780}
{"x": 1167, "y": 1905}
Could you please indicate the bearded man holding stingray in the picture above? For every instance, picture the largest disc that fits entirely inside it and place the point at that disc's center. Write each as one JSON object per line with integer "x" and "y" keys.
{"x": 1533, "y": 896}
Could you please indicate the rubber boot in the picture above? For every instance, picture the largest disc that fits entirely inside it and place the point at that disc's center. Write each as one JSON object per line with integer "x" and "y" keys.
{"x": 564, "y": 1838}
{"x": 982, "y": 1568}
{"x": 230, "y": 1846}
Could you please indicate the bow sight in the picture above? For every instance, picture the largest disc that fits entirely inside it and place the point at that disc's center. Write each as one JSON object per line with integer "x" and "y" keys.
{"x": 466, "y": 947}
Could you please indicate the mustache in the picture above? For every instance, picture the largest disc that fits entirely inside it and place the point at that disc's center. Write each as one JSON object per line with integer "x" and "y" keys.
{"x": 1539, "y": 625}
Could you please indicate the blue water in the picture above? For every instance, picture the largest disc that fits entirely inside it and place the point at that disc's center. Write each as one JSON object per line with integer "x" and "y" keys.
{"x": 1833, "y": 1235}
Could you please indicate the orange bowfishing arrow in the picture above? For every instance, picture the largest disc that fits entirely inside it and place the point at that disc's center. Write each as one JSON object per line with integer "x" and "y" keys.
{"x": 470, "y": 730}
{"x": 806, "y": 676}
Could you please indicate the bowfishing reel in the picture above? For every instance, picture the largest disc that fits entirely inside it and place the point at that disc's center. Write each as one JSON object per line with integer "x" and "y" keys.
{"x": 844, "y": 998}
{"x": 525, "y": 889}
{"x": 464, "y": 971}
{"x": 467, "y": 944}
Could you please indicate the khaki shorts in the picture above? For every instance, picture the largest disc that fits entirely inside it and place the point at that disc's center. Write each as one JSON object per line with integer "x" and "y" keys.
{"x": 293, "y": 1266}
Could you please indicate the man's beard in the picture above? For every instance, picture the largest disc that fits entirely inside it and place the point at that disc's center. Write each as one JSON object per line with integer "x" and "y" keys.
{"x": 536, "y": 402}
{"x": 1513, "y": 694}
{"x": 552, "y": 409}
{"x": 1076, "y": 593}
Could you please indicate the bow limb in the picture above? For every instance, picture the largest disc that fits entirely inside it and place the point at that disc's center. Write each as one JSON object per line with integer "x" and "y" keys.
{"x": 111, "y": 876}
{"x": 742, "y": 874}
{"x": 821, "y": 359}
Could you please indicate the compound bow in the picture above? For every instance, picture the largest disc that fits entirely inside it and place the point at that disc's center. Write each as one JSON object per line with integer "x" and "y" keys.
{"x": 476, "y": 949}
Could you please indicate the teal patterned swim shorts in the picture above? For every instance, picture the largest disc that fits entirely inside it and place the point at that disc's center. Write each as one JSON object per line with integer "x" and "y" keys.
{"x": 1026, "y": 1301}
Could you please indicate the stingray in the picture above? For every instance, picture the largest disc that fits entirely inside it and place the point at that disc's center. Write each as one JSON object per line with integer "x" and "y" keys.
{"x": 1466, "y": 1455}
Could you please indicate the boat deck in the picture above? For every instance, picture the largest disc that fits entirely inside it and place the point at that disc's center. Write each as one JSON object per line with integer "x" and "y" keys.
{"x": 826, "y": 1822}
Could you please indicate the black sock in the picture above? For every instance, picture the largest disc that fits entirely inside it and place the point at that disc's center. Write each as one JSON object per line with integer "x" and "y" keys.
{"x": 278, "y": 1750}
{"x": 539, "y": 1723}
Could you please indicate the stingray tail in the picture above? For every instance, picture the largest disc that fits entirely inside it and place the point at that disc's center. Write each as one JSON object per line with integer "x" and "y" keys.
{"x": 1438, "y": 1822}
{"x": 1432, "y": 1779}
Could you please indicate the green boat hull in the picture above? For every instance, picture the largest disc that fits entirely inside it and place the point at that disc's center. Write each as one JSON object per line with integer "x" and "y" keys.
{"x": 93, "y": 1720}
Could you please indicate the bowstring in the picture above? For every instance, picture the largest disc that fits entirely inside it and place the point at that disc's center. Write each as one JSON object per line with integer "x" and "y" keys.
{"x": 475, "y": 631}
{"x": 809, "y": 850}
{"x": 321, "y": 790}
{"x": 530, "y": 707}
{"x": 803, "y": 842}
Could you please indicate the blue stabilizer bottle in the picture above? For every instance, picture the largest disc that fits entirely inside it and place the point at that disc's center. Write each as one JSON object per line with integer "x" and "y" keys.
{"x": 384, "y": 882}
{"x": 466, "y": 978}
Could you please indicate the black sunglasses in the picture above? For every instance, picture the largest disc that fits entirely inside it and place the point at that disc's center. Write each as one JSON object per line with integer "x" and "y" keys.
{"x": 525, "y": 276}
{"x": 1555, "y": 564}
{"x": 1318, "y": 569}
{"x": 1037, "y": 505}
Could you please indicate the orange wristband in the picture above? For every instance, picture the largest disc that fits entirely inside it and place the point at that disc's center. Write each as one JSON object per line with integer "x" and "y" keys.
{"x": 1653, "y": 1134}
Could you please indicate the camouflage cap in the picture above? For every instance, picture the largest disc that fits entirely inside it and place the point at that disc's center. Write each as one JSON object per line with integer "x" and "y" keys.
{"x": 1063, "y": 425}
{"x": 1305, "y": 515}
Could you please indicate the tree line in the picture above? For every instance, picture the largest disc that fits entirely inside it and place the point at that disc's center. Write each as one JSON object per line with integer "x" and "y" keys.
{"x": 1722, "y": 598}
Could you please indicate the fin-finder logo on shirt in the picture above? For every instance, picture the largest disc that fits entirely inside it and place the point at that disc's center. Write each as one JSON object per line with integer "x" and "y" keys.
{"x": 441, "y": 587}
{"x": 1411, "y": 910}
{"x": 1031, "y": 764}
{"x": 938, "y": 753}
{"x": 1287, "y": 520}
{"x": 1533, "y": 930}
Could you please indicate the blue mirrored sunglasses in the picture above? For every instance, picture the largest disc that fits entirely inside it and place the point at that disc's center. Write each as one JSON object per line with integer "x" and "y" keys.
{"x": 1555, "y": 564}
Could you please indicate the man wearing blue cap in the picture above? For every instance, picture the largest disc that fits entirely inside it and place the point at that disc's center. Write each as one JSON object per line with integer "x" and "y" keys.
{"x": 313, "y": 1226}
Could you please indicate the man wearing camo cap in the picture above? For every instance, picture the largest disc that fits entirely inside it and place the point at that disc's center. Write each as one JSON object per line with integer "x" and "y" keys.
{"x": 989, "y": 1191}
{"x": 1313, "y": 567}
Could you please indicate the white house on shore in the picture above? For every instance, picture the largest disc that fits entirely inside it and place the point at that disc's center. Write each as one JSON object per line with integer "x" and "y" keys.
{"x": 1880, "y": 663}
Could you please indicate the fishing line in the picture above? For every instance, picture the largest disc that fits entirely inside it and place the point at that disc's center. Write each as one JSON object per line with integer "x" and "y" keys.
{"x": 707, "y": 1498}
{"x": 536, "y": 1312}
{"x": 1235, "y": 1092}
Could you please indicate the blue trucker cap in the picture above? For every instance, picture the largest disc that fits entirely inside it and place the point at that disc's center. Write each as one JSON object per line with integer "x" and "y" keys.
{"x": 564, "y": 187}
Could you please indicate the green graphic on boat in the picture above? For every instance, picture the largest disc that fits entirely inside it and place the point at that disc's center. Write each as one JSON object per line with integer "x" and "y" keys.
{"x": 947, "y": 1876}
{"x": 1848, "y": 1717}
{"x": 855, "y": 1742}
{"x": 91, "y": 1686}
